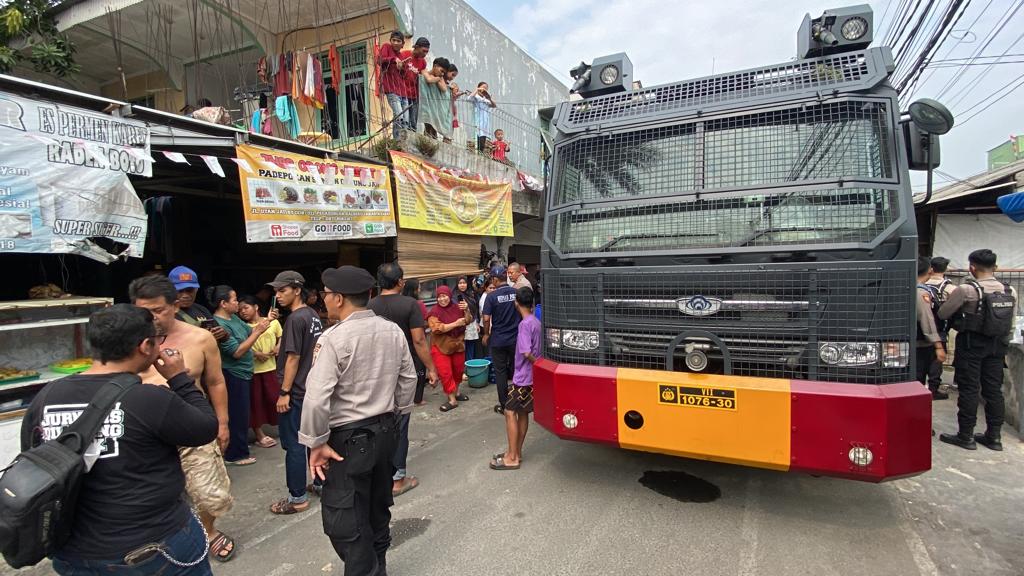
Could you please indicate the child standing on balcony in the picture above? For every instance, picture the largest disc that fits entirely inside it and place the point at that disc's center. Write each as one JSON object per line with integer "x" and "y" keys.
{"x": 482, "y": 104}
{"x": 500, "y": 147}
{"x": 392, "y": 81}
{"x": 435, "y": 100}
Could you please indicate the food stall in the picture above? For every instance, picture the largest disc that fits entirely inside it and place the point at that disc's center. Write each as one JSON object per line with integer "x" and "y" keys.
{"x": 40, "y": 341}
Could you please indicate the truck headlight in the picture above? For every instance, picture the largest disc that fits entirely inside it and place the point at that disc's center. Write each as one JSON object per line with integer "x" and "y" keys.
{"x": 848, "y": 353}
{"x": 584, "y": 340}
{"x": 895, "y": 354}
{"x": 554, "y": 338}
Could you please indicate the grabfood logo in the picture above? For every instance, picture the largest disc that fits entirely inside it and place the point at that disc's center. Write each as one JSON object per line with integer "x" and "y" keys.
{"x": 698, "y": 305}
{"x": 285, "y": 231}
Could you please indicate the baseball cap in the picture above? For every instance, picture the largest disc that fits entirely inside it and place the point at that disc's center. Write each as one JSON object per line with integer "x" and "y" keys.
{"x": 183, "y": 277}
{"x": 287, "y": 278}
{"x": 498, "y": 271}
{"x": 348, "y": 280}
{"x": 422, "y": 42}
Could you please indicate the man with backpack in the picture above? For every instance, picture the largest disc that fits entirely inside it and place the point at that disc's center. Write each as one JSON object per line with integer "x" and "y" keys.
{"x": 983, "y": 310}
{"x": 129, "y": 510}
{"x": 929, "y": 343}
{"x": 941, "y": 288}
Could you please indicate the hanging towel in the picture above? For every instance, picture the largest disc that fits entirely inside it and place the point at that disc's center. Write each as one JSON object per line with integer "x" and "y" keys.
{"x": 293, "y": 126}
{"x": 298, "y": 78}
{"x": 309, "y": 88}
{"x": 257, "y": 121}
{"x": 335, "y": 61}
{"x": 281, "y": 77}
{"x": 321, "y": 96}
{"x": 281, "y": 109}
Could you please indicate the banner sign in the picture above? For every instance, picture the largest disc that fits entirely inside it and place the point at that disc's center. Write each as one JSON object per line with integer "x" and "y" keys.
{"x": 291, "y": 197}
{"x": 432, "y": 199}
{"x": 64, "y": 180}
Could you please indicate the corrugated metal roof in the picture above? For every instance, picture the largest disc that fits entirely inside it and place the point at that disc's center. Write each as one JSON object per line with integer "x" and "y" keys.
{"x": 974, "y": 184}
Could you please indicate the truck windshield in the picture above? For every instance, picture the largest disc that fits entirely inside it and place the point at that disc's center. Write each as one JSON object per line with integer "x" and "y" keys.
{"x": 721, "y": 183}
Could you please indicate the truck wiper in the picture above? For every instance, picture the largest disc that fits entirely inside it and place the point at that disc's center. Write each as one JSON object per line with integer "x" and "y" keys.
{"x": 607, "y": 245}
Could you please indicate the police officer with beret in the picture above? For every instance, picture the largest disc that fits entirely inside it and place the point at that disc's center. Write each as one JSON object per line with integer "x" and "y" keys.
{"x": 362, "y": 376}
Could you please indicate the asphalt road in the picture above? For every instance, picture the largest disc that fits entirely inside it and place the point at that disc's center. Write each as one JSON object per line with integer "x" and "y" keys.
{"x": 577, "y": 509}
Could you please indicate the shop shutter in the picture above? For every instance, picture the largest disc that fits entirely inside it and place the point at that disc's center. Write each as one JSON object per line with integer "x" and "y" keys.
{"x": 427, "y": 255}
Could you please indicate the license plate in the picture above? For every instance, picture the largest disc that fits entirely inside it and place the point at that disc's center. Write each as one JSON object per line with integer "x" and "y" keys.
{"x": 704, "y": 397}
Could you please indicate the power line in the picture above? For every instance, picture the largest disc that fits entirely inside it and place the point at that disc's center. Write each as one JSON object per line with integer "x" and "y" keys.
{"x": 954, "y": 11}
{"x": 1003, "y": 20}
{"x": 1019, "y": 82}
{"x": 974, "y": 85}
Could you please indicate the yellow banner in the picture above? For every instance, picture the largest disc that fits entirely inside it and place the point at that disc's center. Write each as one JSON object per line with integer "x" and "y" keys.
{"x": 432, "y": 199}
{"x": 291, "y": 197}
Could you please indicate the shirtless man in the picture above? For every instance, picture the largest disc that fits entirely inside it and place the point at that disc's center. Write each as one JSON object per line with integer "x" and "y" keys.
{"x": 206, "y": 478}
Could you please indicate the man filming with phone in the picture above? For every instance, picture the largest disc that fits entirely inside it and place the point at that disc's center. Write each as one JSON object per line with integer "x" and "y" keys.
{"x": 130, "y": 509}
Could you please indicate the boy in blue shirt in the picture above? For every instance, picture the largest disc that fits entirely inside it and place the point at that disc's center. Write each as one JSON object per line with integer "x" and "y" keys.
{"x": 520, "y": 394}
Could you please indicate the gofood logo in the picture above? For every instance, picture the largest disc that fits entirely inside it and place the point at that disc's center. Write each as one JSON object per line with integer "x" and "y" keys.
{"x": 699, "y": 305}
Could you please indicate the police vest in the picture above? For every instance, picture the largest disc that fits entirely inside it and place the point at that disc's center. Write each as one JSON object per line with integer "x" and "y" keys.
{"x": 993, "y": 315}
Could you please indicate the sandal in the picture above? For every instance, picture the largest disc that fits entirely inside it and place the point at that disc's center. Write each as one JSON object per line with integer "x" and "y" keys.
{"x": 448, "y": 406}
{"x": 408, "y": 483}
{"x": 462, "y": 397}
{"x": 243, "y": 462}
{"x": 222, "y": 548}
{"x": 288, "y": 507}
{"x": 266, "y": 442}
{"x": 502, "y": 455}
{"x": 499, "y": 464}
{"x": 498, "y": 409}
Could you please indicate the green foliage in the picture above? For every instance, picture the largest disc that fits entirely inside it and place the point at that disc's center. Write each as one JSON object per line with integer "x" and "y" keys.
{"x": 382, "y": 146}
{"x": 29, "y": 21}
{"x": 425, "y": 145}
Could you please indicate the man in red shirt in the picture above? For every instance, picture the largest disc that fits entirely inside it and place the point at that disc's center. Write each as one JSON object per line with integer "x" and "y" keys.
{"x": 393, "y": 83}
{"x": 415, "y": 63}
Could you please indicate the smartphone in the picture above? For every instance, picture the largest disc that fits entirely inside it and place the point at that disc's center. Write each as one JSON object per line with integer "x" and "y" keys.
{"x": 208, "y": 324}
{"x": 459, "y": 297}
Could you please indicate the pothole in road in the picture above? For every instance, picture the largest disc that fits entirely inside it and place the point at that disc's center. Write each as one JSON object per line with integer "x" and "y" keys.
{"x": 406, "y": 529}
{"x": 680, "y": 486}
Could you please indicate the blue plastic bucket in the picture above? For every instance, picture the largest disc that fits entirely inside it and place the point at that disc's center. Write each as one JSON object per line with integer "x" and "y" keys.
{"x": 477, "y": 371}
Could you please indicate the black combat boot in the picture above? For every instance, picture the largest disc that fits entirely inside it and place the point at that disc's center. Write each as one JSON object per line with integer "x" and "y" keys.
{"x": 990, "y": 439}
{"x": 939, "y": 395}
{"x": 962, "y": 440}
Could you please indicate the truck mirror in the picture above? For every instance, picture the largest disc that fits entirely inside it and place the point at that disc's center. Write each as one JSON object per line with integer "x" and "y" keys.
{"x": 918, "y": 143}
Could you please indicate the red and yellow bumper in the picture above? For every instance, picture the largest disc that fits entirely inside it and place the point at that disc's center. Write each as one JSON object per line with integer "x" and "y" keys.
{"x": 857, "y": 431}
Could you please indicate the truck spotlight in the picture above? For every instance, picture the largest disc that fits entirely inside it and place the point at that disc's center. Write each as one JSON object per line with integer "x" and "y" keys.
{"x": 861, "y": 456}
{"x": 609, "y": 74}
{"x": 570, "y": 421}
{"x": 854, "y": 29}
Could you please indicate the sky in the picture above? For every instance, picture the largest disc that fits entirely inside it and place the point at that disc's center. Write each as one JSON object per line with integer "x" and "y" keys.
{"x": 672, "y": 40}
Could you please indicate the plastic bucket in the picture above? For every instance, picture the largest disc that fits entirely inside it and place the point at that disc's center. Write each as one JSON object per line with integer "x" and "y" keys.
{"x": 477, "y": 371}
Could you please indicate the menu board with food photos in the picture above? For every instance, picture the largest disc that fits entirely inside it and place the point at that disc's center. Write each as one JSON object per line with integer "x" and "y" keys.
{"x": 291, "y": 197}
{"x": 430, "y": 198}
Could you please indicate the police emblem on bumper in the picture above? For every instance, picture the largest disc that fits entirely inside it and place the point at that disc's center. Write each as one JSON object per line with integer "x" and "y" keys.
{"x": 698, "y": 305}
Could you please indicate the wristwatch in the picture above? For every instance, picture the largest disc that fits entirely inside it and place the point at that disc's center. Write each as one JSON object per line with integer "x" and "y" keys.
{"x": 284, "y": 392}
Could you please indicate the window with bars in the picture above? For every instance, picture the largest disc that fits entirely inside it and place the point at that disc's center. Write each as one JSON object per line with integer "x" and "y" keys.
{"x": 346, "y": 115}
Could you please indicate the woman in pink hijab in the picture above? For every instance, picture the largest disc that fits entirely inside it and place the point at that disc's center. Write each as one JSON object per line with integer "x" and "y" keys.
{"x": 448, "y": 321}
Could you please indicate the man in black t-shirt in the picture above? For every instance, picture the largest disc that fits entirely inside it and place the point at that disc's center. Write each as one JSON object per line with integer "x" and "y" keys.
{"x": 132, "y": 496}
{"x": 301, "y": 330}
{"x": 404, "y": 311}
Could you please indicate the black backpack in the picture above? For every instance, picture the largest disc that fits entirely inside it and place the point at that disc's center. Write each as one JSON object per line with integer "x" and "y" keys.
{"x": 39, "y": 489}
{"x": 938, "y": 298}
{"x": 993, "y": 316}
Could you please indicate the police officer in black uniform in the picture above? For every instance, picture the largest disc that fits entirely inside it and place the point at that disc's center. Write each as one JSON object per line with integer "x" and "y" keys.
{"x": 983, "y": 310}
{"x": 362, "y": 377}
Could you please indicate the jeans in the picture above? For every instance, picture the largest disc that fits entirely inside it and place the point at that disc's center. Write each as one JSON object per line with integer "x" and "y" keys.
{"x": 503, "y": 358}
{"x": 978, "y": 372}
{"x": 472, "y": 347}
{"x": 295, "y": 453}
{"x": 239, "y": 392}
{"x": 185, "y": 546}
{"x": 414, "y": 114}
{"x": 401, "y": 116}
{"x": 402, "y": 447}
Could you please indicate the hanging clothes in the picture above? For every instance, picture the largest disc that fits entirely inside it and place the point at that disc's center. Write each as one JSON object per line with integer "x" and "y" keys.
{"x": 321, "y": 95}
{"x": 309, "y": 86}
{"x": 335, "y": 61}
{"x": 257, "y": 121}
{"x": 281, "y": 77}
{"x": 298, "y": 77}
{"x": 261, "y": 69}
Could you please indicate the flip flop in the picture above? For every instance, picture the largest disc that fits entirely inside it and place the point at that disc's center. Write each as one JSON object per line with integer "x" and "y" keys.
{"x": 448, "y": 406}
{"x": 498, "y": 409}
{"x": 502, "y": 455}
{"x": 462, "y": 397}
{"x": 219, "y": 544}
{"x": 409, "y": 483}
{"x": 266, "y": 442}
{"x": 499, "y": 464}
{"x": 243, "y": 462}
